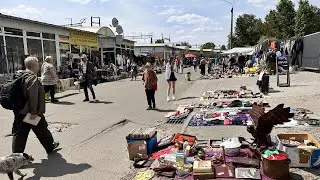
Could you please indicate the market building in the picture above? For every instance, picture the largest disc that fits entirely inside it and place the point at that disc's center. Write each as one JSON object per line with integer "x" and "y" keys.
{"x": 21, "y": 37}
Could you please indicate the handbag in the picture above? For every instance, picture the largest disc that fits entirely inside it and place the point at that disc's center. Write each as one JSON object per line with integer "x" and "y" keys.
{"x": 155, "y": 86}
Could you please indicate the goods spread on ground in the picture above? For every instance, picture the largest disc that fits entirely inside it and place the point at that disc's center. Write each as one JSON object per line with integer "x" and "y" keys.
{"x": 229, "y": 93}
{"x": 182, "y": 156}
{"x": 178, "y": 116}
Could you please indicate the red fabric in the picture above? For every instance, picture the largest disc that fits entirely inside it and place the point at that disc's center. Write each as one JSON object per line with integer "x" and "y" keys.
{"x": 182, "y": 137}
{"x": 155, "y": 87}
{"x": 158, "y": 154}
{"x": 281, "y": 156}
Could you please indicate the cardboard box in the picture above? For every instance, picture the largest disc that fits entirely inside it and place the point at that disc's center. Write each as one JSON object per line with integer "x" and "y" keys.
{"x": 301, "y": 156}
{"x": 135, "y": 148}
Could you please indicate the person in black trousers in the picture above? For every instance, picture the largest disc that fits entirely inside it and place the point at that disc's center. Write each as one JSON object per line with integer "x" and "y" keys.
{"x": 35, "y": 105}
{"x": 150, "y": 79}
{"x": 88, "y": 74}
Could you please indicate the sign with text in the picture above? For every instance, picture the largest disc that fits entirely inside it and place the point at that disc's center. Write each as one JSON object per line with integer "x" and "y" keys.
{"x": 83, "y": 38}
{"x": 282, "y": 64}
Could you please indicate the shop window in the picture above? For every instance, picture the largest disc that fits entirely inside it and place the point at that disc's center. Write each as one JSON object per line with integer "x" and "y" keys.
{"x": 49, "y": 49}
{"x": 35, "y": 49}
{"x": 75, "y": 49}
{"x": 48, "y": 36}
{"x": 15, "y": 53}
{"x": 108, "y": 49}
{"x": 3, "y": 64}
{"x": 33, "y": 34}
{"x": 123, "y": 46}
{"x": 118, "y": 45}
{"x": 13, "y": 31}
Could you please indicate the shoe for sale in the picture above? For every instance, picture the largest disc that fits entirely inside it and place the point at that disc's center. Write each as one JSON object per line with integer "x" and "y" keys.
{"x": 168, "y": 99}
{"x": 173, "y": 98}
{"x": 86, "y": 100}
{"x": 55, "y": 145}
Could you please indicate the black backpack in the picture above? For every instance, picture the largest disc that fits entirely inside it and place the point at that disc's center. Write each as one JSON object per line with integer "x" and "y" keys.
{"x": 12, "y": 94}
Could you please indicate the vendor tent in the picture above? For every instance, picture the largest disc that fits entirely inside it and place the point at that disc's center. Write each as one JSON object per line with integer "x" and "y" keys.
{"x": 241, "y": 50}
{"x": 311, "y": 51}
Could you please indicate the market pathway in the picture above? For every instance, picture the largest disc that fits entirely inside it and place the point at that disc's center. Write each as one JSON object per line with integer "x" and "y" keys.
{"x": 92, "y": 135}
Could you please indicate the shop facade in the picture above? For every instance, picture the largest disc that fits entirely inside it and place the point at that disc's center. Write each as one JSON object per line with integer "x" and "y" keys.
{"x": 22, "y": 37}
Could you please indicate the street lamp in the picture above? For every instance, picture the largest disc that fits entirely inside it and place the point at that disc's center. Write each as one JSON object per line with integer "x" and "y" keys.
{"x": 231, "y": 31}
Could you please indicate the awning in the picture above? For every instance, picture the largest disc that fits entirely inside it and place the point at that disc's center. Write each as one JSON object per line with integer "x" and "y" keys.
{"x": 242, "y": 50}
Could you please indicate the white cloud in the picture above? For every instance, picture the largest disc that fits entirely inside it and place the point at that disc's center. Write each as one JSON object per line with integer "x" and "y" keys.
{"x": 180, "y": 31}
{"x": 23, "y": 11}
{"x": 81, "y": 1}
{"x": 206, "y": 29}
{"x": 171, "y": 11}
{"x": 188, "y": 19}
{"x": 87, "y": 1}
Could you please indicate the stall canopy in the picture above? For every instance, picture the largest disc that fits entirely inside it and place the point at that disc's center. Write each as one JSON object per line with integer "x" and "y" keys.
{"x": 242, "y": 50}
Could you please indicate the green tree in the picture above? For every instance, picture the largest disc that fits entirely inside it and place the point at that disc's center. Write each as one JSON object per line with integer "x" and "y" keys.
{"x": 247, "y": 31}
{"x": 307, "y": 21}
{"x": 184, "y": 44}
{"x": 270, "y": 27}
{"x": 159, "y": 41}
{"x": 223, "y": 47}
{"x": 286, "y": 18}
{"x": 208, "y": 45}
{"x": 235, "y": 42}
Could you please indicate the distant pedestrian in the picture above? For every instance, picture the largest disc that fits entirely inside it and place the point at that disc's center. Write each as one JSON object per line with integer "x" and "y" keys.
{"x": 134, "y": 70}
{"x": 195, "y": 63}
{"x": 35, "y": 105}
{"x": 203, "y": 67}
{"x": 224, "y": 64}
{"x": 171, "y": 79}
{"x": 49, "y": 77}
{"x": 150, "y": 79}
{"x": 241, "y": 61}
{"x": 87, "y": 76}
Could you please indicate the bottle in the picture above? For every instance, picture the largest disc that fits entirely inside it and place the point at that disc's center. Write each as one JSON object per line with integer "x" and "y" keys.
{"x": 185, "y": 144}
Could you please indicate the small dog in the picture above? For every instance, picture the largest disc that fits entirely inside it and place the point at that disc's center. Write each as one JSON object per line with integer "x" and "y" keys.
{"x": 11, "y": 164}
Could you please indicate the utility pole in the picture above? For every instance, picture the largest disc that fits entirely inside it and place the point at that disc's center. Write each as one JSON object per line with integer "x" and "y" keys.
{"x": 231, "y": 31}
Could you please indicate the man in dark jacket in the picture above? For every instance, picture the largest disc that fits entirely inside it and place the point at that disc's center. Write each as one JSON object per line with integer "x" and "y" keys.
{"x": 35, "y": 105}
{"x": 87, "y": 76}
{"x": 241, "y": 61}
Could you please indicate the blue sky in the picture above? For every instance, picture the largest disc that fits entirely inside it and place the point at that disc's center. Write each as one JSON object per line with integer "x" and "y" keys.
{"x": 195, "y": 21}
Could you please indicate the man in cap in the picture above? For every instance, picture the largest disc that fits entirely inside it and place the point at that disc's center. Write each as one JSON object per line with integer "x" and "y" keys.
{"x": 87, "y": 75}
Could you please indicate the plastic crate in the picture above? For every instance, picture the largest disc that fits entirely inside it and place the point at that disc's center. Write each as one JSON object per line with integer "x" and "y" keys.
{"x": 151, "y": 142}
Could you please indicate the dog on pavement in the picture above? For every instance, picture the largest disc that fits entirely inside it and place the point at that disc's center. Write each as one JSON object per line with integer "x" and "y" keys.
{"x": 12, "y": 163}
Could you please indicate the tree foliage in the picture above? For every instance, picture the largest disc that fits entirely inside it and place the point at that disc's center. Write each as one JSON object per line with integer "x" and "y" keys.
{"x": 208, "y": 45}
{"x": 223, "y": 47}
{"x": 159, "y": 41}
{"x": 270, "y": 27}
{"x": 184, "y": 44}
{"x": 248, "y": 30}
{"x": 286, "y": 18}
{"x": 307, "y": 21}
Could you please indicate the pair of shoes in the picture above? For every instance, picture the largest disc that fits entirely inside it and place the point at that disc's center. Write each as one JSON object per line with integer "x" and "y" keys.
{"x": 55, "y": 145}
{"x": 54, "y": 101}
{"x": 173, "y": 98}
{"x": 85, "y": 100}
{"x": 149, "y": 108}
{"x": 168, "y": 99}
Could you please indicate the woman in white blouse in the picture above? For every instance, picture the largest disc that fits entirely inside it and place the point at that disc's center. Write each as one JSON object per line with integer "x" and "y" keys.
{"x": 171, "y": 79}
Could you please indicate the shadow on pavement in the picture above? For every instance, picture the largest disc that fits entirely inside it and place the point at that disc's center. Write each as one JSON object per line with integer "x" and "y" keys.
{"x": 164, "y": 110}
{"x": 67, "y": 95}
{"x": 187, "y": 98}
{"x": 296, "y": 176}
{"x": 56, "y": 166}
{"x": 64, "y": 103}
{"x": 100, "y": 102}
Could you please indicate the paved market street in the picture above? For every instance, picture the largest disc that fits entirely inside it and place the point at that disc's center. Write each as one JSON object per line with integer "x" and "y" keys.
{"x": 92, "y": 135}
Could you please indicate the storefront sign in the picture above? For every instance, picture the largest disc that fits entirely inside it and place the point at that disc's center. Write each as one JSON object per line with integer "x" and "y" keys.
{"x": 63, "y": 38}
{"x": 64, "y": 46}
{"x": 83, "y": 38}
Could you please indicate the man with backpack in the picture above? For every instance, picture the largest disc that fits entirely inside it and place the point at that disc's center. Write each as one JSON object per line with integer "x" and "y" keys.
{"x": 25, "y": 95}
